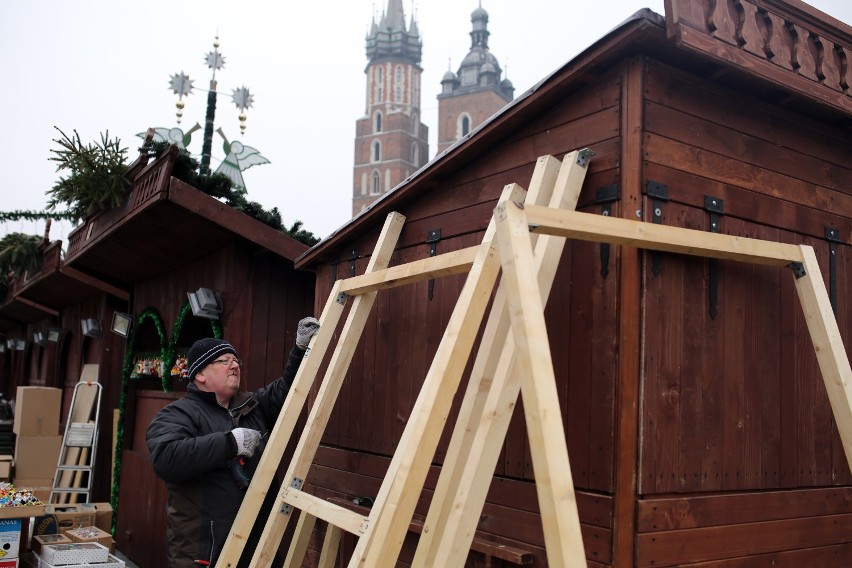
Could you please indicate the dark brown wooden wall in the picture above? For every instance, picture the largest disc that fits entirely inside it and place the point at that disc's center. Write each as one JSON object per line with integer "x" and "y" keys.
{"x": 737, "y": 402}
{"x": 263, "y": 299}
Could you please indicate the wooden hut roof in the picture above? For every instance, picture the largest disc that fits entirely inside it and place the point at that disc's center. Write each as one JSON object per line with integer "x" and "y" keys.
{"x": 165, "y": 224}
{"x": 697, "y": 34}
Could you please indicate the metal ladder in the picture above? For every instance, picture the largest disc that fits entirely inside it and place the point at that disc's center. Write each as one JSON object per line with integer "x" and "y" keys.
{"x": 76, "y": 463}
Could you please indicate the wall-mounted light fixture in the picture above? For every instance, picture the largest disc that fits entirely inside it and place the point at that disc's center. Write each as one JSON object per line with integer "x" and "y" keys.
{"x": 91, "y": 327}
{"x": 10, "y": 344}
{"x": 39, "y": 338}
{"x": 53, "y": 334}
{"x": 2, "y": 346}
{"x": 205, "y": 303}
{"x": 121, "y": 323}
{"x": 20, "y": 345}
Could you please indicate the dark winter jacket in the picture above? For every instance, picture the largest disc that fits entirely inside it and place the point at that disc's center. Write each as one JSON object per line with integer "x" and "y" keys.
{"x": 192, "y": 450}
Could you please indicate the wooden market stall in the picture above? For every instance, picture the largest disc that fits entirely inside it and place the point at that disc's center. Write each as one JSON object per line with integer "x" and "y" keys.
{"x": 697, "y": 422}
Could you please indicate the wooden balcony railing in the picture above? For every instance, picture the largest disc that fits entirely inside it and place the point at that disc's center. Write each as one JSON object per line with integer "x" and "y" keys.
{"x": 151, "y": 182}
{"x": 786, "y": 42}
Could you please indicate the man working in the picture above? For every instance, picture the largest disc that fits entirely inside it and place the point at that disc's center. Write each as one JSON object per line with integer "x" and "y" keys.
{"x": 205, "y": 445}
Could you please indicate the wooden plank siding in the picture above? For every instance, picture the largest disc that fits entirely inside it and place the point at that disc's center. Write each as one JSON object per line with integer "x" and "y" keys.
{"x": 736, "y": 402}
{"x": 510, "y": 509}
{"x": 790, "y": 528}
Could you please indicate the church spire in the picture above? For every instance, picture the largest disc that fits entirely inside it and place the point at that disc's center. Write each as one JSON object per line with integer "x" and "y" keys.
{"x": 391, "y": 40}
{"x": 396, "y": 17}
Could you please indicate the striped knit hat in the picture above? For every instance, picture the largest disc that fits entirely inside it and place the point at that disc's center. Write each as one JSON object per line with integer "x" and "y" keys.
{"x": 205, "y": 351}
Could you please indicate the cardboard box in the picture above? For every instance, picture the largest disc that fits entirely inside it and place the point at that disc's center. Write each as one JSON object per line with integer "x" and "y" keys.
{"x": 37, "y": 411}
{"x": 41, "y": 540}
{"x": 37, "y": 456}
{"x": 58, "y": 519}
{"x": 10, "y": 538}
{"x": 23, "y": 512}
{"x": 91, "y": 534}
{"x": 74, "y": 553}
{"x": 5, "y": 467}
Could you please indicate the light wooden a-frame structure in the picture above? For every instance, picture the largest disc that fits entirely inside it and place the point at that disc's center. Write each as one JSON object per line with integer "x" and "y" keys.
{"x": 513, "y": 356}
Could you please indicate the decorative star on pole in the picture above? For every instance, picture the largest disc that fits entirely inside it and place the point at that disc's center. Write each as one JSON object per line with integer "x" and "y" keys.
{"x": 243, "y": 99}
{"x": 181, "y": 86}
{"x": 215, "y": 60}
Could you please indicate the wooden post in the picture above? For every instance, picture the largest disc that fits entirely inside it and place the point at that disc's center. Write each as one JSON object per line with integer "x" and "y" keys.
{"x": 327, "y": 395}
{"x": 493, "y": 389}
{"x": 549, "y": 450}
{"x": 397, "y": 497}
{"x": 287, "y": 418}
{"x": 828, "y": 345}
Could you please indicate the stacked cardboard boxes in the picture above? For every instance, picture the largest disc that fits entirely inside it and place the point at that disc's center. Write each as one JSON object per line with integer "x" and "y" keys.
{"x": 37, "y": 444}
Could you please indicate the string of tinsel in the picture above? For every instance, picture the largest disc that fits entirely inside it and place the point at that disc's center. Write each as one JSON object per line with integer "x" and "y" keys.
{"x": 167, "y": 355}
{"x": 36, "y": 215}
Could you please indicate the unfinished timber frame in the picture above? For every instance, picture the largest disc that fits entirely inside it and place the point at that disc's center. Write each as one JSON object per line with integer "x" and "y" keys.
{"x": 526, "y": 242}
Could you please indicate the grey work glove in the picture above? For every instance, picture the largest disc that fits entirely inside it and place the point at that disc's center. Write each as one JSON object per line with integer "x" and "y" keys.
{"x": 308, "y": 327}
{"x": 247, "y": 441}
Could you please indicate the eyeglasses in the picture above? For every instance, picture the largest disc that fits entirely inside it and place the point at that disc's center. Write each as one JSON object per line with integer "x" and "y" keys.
{"x": 226, "y": 362}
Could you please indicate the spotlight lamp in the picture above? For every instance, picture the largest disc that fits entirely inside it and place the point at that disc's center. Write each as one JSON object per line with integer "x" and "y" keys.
{"x": 91, "y": 327}
{"x": 121, "y": 323}
{"x": 39, "y": 339}
{"x": 205, "y": 303}
{"x": 53, "y": 334}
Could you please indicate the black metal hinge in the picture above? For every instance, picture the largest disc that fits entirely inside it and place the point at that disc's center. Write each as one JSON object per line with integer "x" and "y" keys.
{"x": 432, "y": 238}
{"x": 605, "y": 197}
{"x": 716, "y": 208}
{"x": 658, "y": 193}
{"x": 352, "y": 259}
{"x": 833, "y": 237}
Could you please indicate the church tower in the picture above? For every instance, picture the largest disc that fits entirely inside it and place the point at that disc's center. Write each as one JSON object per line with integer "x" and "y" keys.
{"x": 390, "y": 141}
{"x": 476, "y": 92}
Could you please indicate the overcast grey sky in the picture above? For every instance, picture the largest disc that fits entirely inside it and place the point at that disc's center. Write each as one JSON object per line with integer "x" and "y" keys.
{"x": 104, "y": 65}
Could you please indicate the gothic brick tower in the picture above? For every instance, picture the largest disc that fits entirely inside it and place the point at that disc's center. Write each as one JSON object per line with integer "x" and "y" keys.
{"x": 472, "y": 95}
{"x": 390, "y": 141}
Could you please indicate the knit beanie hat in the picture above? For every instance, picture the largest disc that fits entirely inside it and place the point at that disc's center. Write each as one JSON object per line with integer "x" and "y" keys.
{"x": 205, "y": 351}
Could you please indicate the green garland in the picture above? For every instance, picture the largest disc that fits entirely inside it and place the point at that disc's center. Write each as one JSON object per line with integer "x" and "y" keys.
{"x": 168, "y": 350}
{"x": 35, "y": 215}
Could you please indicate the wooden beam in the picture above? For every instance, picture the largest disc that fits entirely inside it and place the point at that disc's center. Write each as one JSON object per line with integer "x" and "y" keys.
{"x": 330, "y": 545}
{"x": 328, "y": 391}
{"x": 301, "y": 540}
{"x": 398, "y": 494}
{"x": 95, "y": 283}
{"x": 280, "y": 436}
{"x": 600, "y": 229}
{"x": 548, "y": 448}
{"x": 329, "y": 512}
{"x": 37, "y": 306}
{"x": 828, "y": 345}
{"x": 493, "y": 389}
{"x": 447, "y": 264}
